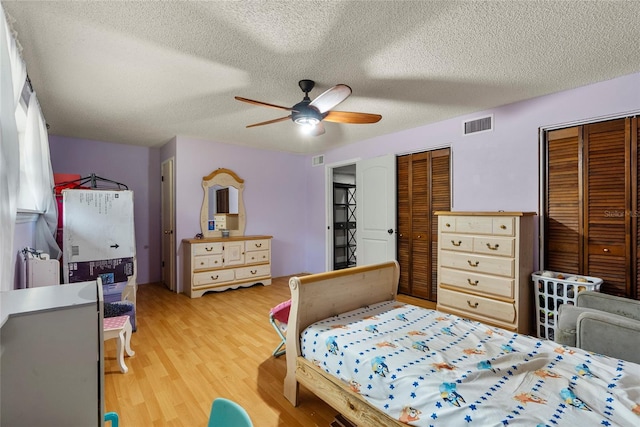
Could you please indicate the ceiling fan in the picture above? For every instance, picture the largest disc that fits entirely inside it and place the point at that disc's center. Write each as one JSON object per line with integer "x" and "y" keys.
{"x": 310, "y": 114}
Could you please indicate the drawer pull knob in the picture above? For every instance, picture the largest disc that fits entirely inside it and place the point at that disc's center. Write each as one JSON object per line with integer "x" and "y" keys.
{"x": 208, "y": 249}
{"x": 419, "y": 236}
{"x": 215, "y": 277}
{"x": 215, "y": 262}
{"x": 456, "y": 244}
{"x": 606, "y": 250}
{"x": 472, "y": 283}
{"x": 503, "y": 227}
{"x": 254, "y": 271}
{"x": 472, "y": 305}
{"x": 258, "y": 245}
{"x": 473, "y": 264}
{"x": 493, "y": 248}
{"x": 447, "y": 225}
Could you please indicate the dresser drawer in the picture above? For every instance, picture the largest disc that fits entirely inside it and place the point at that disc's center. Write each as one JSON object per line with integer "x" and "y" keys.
{"x": 256, "y": 245}
{"x": 474, "y": 224}
{"x": 207, "y": 261}
{"x": 447, "y": 224}
{"x": 457, "y": 242}
{"x": 207, "y": 248}
{"x": 255, "y": 271}
{"x": 477, "y": 306}
{"x": 255, "y": 257}
{"x": 208, "y": 278}
{"x": 494, "y": 246}
{"x": 475, "y": 282}
{"x": 503, "y": 225}
{"x": 478, "y": 263}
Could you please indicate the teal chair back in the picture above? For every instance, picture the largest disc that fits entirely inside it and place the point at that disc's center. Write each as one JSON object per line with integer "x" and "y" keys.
{"x": 113, "y": 417}
{"x": 227, "y": 413}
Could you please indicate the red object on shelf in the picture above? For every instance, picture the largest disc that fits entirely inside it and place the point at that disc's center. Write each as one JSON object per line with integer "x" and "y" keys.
{"x": 63, "y": 181}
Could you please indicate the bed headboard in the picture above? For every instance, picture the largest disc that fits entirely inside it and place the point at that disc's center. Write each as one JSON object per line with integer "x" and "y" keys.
{"x": 319, "y": 296}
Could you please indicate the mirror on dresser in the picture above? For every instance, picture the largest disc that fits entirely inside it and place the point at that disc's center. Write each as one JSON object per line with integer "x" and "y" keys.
{"x": 222, "y": 204}
{"x": 218, "y": 261}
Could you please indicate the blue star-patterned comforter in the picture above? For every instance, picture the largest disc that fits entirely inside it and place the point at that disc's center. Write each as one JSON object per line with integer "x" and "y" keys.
{"x": 427, "y": 368}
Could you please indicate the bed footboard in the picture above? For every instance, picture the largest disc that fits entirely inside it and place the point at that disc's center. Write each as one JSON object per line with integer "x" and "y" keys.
{"x": 319, "y": 296}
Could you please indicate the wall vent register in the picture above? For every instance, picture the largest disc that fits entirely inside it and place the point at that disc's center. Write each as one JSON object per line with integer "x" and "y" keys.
{"x": 482, "y": 124}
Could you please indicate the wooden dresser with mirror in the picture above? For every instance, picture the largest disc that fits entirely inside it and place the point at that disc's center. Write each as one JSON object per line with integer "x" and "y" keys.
{"x": 224, "y": 258}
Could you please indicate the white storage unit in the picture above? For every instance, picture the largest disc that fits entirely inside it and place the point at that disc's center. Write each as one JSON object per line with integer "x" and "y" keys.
{"x": 37, "y": 269}
{"x": 42, "y": 272}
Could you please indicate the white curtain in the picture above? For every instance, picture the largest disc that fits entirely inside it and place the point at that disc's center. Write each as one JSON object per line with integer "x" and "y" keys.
{"x": 9, "y": 156}
{"x": 18, "y": 67}
{"x": 36, "y": 179}
{"x": 26, "y": 176}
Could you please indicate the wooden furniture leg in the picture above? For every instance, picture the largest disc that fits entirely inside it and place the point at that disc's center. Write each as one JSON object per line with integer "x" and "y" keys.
{"x": 120, "y": 328}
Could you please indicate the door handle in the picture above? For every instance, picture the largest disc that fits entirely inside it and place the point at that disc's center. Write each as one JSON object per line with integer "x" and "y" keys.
{"x": 390, "y": 231}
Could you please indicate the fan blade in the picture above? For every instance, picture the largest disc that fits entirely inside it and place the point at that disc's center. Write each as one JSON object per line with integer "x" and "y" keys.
{"x": 331, "y": 97}
{"x": 264, "y": 104}
{"x": 281, "y": 119}
{"x": 348, "y": 117}
{"x": 317, "y": 130}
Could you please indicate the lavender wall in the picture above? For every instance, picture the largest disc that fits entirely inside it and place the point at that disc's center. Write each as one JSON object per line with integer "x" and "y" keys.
{"x": 275, "y": 185}
{"x": 496, "y": 170}
{"x": 285, "y": 195}
{"x": 138, "y": 168}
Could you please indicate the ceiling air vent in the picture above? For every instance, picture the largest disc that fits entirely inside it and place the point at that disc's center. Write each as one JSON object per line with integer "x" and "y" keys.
{"x": 317, "y": 160}
{"x": 482, "y": 124}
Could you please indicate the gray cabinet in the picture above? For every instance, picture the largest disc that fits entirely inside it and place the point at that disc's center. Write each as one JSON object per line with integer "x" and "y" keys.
{"x": 51, "y": 356}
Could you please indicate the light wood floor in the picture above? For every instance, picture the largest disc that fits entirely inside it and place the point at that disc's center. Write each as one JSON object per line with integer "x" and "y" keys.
{"x": 190, "y": 351}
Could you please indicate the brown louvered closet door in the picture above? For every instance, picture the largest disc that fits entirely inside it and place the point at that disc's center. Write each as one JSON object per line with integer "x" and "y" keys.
{"x": 635, "y": 202}
{"x": 440, "y": 201}
{"x": 423, "y": 187}
{"x": 563, "y": 208}
{"x": 591, "y": 203}
{"x": 607, "y": 197}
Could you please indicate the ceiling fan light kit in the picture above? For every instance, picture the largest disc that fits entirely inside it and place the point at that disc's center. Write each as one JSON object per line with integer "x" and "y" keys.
{"x": 310, "y": 114}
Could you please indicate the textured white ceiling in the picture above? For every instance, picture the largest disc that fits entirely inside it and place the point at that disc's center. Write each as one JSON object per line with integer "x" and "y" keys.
{"x": 143, "y": 72}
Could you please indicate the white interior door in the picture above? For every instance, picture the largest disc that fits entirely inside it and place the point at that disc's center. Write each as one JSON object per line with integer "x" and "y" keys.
{"x": 168, "y": 235}
{"x": 376, "y": 209}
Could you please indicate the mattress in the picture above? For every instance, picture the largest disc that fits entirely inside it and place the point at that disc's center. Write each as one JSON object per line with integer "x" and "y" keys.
{"x": 427, "y": 368}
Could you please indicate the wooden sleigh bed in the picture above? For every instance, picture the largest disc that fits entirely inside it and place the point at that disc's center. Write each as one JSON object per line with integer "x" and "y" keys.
{"x": 319, "y": 298}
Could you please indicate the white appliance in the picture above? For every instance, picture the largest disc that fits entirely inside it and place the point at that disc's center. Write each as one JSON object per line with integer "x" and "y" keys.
{"x": 39, "y": 269}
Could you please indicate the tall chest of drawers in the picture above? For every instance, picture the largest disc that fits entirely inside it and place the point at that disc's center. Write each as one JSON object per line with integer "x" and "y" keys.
{"x": 485, "y": 261}
{"x": 220, "y": 263}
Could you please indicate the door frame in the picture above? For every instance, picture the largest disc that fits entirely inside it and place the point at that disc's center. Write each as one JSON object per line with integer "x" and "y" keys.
{"x": 169, "y": 258}
{"x": 328, "y": 202}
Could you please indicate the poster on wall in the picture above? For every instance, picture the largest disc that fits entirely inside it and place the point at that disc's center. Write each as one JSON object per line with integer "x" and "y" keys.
{"x": 98, "y": 236}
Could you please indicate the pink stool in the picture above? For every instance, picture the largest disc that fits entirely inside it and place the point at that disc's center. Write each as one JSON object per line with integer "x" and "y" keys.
{"x": 278, "y": 317}
{"x": 119, "y": 327}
